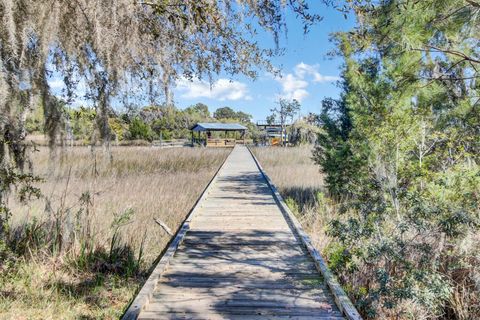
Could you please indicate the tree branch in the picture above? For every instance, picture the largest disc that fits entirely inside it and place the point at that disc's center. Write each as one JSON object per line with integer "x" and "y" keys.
{"x": 164, "y": 226}
{"x": 473, "y": 3}
{"x": 452, "y": 52}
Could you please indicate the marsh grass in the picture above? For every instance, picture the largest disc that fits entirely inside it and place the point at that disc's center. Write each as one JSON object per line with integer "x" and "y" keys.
{"x": 85, "y": 246}
{"x": 300, "y": 182}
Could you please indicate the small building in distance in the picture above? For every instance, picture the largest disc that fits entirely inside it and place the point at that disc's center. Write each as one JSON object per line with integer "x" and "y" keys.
{"x": 273, "y": 132}
{"x": 207, "y": 134}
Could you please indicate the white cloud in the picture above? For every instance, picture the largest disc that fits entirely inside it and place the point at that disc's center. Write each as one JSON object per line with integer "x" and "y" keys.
{"x": 302, "y": 70}
{"x": 322, "y": 78}
{"x": 222, "y": 89}
{"x": 299, "y": 94}
{"x": 291, "y": 83}
{"x": 294, "y": 85}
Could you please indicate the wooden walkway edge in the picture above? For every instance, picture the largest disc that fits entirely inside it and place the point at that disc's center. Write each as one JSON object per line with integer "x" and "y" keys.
{"x": 341, "y": 299}
{"x": 145, "y": 294}
{"x": 241, "y": 254}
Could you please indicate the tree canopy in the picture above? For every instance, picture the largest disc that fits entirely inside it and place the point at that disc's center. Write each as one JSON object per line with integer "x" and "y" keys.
{"x": 284, "y": 111}
{"x": 227, "y": 113}
{"x": 116, "y": 47}
{"x": 120, "y": 49}
{"x": 401, "y": 154}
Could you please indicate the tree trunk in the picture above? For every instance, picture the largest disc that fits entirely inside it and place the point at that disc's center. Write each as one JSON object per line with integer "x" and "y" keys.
{"x": 102, "y": 125}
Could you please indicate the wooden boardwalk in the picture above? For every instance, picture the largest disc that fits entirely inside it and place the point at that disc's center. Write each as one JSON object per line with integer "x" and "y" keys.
{"x": 237, "y": 257}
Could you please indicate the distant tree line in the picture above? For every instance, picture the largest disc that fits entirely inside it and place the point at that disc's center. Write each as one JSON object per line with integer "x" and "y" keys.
{"x": 169, "y": 122}
{"x": 148, "y": 123}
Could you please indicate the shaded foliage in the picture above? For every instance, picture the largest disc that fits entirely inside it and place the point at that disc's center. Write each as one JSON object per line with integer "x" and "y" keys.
{"x": 401, "y": 155}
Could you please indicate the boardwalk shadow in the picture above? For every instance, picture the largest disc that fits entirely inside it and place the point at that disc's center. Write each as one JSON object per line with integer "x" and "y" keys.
{"x": 255, "y": 273}
{"x": 240, "y": 260}
{"x": 245, "y": 183}
{"x": 304, "y": 197}
{"x": 247, "y": 187}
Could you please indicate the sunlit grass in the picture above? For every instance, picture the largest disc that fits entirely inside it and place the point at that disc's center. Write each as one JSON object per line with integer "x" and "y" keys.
{"x": 144, "y": 182}
{"x": 300, "y": 183}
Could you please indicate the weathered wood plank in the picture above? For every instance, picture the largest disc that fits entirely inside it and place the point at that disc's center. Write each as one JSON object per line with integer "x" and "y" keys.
{"x": 251, "y": 278}
{"x": 247, "y": 273}
{"x": 233, "y": 219}
{"x": 259, "y": 271}
{"x": 242, "y": 267}
{"x": 244, "y": 247}
{"x": 341, "y": 299}
{"x": 228, "y": 214}
{"x": 271, "y": 245}
{"x": 211, "y": 283}
{"x": 151, "y": 315}
{"x": 202, "y": 308}
{"x": 244, "y": 256}
{"x": 239, "y": 234}
{"x": 244, "y": 226}
{"x": 246, "y": 300}
{"x": 240, "y": 258}
{"x": 266, "y": 264}
{"x": 164, "y": 290}
{"x": 243, "y": 252}
{"x": 224, "y": 303}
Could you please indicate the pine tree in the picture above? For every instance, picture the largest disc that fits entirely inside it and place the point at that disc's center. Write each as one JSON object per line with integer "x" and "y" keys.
{"x": 406, "y": 165}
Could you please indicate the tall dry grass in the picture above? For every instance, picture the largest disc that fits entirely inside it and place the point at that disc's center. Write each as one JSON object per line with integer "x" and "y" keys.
{"x": 108, "y": 207}
{"x": 153, "y": 183}
{"x": 300, "y": 182}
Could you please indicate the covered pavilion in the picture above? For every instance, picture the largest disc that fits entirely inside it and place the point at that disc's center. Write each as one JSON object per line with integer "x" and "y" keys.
{"x": 202, "y": 134}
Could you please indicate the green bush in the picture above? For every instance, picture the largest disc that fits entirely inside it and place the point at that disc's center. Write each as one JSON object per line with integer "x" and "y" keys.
{"x": 140, "y": 130}
{"x": 401, "y": 157}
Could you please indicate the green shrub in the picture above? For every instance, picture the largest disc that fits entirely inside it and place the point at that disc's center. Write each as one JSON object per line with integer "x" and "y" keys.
{"x": 402, "y": 160}
{"x": 293, "y": 205}
{"x": 140, "y": 130}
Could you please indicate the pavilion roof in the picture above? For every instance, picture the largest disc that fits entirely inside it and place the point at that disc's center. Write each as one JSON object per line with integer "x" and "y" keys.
{"x": 216, "y": 126}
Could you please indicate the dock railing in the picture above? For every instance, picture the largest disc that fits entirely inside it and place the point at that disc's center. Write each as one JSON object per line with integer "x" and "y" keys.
{"x": 221, "y": 142}
{"x": 174, "y": 143}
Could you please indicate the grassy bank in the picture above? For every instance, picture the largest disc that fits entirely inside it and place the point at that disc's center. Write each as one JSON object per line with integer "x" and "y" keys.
{"x": 301, "y": 184}
{"x": 84, "y": 247}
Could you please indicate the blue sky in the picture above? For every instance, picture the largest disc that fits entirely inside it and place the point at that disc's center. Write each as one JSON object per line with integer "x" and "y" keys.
{"x": 308, "y": 74}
